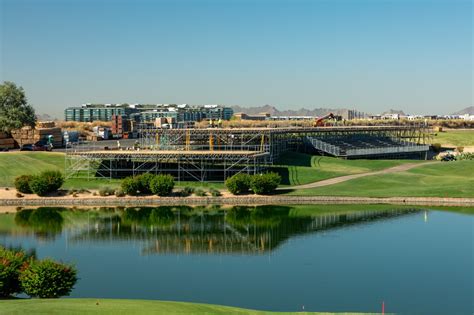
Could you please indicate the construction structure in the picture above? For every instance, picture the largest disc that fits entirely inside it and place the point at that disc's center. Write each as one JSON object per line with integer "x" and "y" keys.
{"x": 214, "y": 154}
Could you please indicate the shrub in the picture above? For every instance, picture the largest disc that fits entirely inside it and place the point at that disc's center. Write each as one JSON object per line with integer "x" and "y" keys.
{"x": 119, "y": 193}
{"x": 199, "y": 192}
{"x": 265, "y": 183}
{"x": 188, "y": 190}
{"x": 214, "y": 192}
{"x": 22, "y": 184}
{"x": 130, "y": 185}
{"x": 106, "y": 191}
{"x": 162, "y": 185}
{"x": 11, "y": 262}
{"x": 144, "y": 181}
{"x": 238, "y": 184}
{"x": 18, "y": 195}
{"x": 46, "y": 182}
{"x": 48, "y": 279}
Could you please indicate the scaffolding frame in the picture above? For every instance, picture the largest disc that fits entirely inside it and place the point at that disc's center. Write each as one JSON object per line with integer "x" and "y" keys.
{"x": 211, "y": 154}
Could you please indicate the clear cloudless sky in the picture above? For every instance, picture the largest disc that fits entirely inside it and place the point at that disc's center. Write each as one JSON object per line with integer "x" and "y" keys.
{"x": 373, "y": 55}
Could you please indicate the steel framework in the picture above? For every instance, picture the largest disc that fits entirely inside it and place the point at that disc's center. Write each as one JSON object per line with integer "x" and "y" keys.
{"x": 211, "y": 154}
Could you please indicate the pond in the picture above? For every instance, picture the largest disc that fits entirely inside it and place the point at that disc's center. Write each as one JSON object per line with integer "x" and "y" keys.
{"x": 320, "y": 258}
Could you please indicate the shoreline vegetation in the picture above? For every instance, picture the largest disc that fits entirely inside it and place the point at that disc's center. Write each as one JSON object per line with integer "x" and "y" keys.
{"x": 127, "y": 306}
{"x": 303, "y": 176}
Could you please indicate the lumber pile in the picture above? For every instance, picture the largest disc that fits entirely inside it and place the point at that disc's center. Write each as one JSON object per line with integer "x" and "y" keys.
{"x": 29, "y": 135}
{"x": 6, "y": 142}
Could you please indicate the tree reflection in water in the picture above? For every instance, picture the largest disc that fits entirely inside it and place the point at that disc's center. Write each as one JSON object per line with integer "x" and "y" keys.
{"x": 45, "y": 222}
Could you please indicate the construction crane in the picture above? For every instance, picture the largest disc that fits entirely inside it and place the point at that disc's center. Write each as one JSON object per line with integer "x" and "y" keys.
{"x": 320, "y": 121}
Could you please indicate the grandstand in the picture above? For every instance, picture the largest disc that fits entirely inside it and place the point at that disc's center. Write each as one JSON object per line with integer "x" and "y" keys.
{"x": 366, "y": 146}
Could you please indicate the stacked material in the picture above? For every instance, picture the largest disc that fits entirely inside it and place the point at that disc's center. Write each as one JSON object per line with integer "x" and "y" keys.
{"x": 6, "y": 142}
{"x": 45, "y": 124}
{"x": 43, "y": 133}
{"x": 28, "y": 135}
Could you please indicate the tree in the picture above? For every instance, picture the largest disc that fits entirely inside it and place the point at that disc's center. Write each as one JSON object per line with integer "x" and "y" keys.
{"x": 14, "y": 109}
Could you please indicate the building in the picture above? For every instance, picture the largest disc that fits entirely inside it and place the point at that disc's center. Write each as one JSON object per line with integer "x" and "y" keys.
{"x": 147, "y": 112}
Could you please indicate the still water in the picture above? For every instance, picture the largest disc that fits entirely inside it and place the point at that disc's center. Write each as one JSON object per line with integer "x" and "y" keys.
{"x": 322, "y": 258}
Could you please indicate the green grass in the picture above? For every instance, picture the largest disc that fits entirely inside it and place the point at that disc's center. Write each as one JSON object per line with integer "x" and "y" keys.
{"x": 295, "y": 168}
{"x": 443, "y": 179}
{"x": 299, "y": 168}
{"x": 115, "y": 306}
{"x": 455, "y": 138}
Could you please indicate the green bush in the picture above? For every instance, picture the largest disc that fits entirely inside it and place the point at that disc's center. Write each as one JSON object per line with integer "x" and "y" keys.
{"x": 238, "y": 184}
{"x": 214, "y": 192}
{"x": 263, "y": 184}
{"x": 48, "y": 279}
{"x": 119, "y": 193}
{"x": 106, "y": 191}
{"x": 188, "y": 190}
{"x": 199, "y": 192}
{"x": 11, "y": 263}
{"x": 46, "y": 182}
{"x": 22, "y": 184}
{"x": 144, "y": 181}
{"x": 130, "y": 185}
{"x": 162, "y": 185}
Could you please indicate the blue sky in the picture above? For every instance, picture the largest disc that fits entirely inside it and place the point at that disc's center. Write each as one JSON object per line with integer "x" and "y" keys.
{"x": 366, "y": 54}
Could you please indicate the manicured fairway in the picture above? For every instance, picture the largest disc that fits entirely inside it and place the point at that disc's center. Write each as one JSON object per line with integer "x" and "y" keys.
{"x": 443, "y": 179}
{"x": 455, "y": 138}
{"x": 299, "y": 168}
{"x": 110, "y": 306}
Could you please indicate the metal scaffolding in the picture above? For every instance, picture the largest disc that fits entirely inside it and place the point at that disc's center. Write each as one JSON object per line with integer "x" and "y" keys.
{"x": 211, "y": 154}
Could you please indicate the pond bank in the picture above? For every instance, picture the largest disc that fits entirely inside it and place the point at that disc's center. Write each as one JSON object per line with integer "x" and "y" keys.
{"x": 234, "y": 200}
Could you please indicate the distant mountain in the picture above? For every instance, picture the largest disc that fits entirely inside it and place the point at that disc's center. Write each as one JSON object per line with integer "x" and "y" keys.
{"x": 394, "y": 111}
{"x": 272, "y": 110}
{"x": 44, "y": 117}
{"x": 468, "y": 110}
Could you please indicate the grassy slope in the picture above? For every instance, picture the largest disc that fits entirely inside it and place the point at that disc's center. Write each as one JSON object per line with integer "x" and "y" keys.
{"x": 455, "y": 138}
{"x": 450, "y": 179}
{"x": 110, "y": 306}
{"x": 298, "y": 168}
{"x": 295, "y": 168}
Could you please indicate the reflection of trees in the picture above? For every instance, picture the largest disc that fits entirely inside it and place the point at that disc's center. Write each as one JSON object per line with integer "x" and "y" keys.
{"x": 45, "y": 222}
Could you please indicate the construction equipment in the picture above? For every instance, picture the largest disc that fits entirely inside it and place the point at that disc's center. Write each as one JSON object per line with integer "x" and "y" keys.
{"x": 319, "y": 122}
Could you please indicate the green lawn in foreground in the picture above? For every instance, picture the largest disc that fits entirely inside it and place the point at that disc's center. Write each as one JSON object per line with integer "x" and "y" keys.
{"x": 114, "y": 306}
{"x": 299, "y": 168}
{"x": 455, "y": 138}
{"x": 443, "y": 179}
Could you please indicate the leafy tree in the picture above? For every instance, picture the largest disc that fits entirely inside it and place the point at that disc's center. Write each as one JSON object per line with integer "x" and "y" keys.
{"x": 162, "y": 185}
{"x": 238, "y": 184}
{"x": 15, "y": 112}
{"x": 263, "y": 184}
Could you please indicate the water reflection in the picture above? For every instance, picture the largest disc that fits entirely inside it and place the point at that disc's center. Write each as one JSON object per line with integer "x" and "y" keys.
{"x": 191, "y": 230}
{"x": 45, "y": 222}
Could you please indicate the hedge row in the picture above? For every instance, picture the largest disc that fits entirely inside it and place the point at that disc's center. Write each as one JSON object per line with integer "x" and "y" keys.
{"x": 260, "y": 184}
{"x": 161, "y": 185}
{"x": 41, "y": 184}
{"x": 21, "y": 272}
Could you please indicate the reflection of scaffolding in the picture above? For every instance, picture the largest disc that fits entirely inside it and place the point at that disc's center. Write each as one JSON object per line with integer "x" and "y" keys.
{"x": 212, "y": 234}
{"x": 212, "y": 154}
